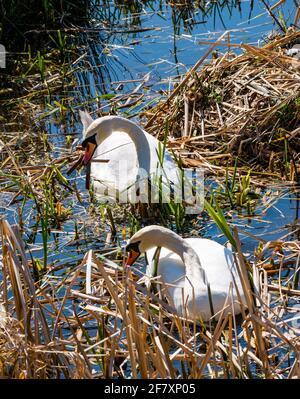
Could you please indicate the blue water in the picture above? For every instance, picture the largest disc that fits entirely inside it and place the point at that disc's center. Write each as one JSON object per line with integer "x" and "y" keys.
{"x": 170, "y": 48}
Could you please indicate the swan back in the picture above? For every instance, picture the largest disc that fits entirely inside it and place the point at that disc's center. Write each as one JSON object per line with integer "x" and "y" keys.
{"x": 110, "y": 123}
{"x": 220, "y": 271}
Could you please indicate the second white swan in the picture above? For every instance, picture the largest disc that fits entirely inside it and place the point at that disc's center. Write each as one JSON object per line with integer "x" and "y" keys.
{"x": 190, "y": 267}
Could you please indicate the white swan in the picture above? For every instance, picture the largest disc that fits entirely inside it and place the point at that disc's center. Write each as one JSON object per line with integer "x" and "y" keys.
{"x": 131, "y": 155}
{"x": 191, "y": 265}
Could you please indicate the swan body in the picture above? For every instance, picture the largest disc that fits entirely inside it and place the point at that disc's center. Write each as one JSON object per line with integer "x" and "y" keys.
{"x": 188, "y": 267}
{"x": 131, "y": 152}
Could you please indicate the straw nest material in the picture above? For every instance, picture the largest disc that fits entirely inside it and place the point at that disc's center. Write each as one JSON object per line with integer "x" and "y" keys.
{"x": 245, "y": 106}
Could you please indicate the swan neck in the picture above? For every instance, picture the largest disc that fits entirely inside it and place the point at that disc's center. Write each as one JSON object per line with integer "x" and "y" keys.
{"x": 193, "y": 268}
{"x": 136, "y": 134}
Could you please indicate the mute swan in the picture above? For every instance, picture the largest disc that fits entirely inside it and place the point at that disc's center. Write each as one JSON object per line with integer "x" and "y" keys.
{"x": 190, "y": 265}
{"x": 132, "y": 155}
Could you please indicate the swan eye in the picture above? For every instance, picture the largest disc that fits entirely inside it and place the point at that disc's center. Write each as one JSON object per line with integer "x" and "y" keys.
{"x": 134, "y": 246}
{"x": 88, "y": 140}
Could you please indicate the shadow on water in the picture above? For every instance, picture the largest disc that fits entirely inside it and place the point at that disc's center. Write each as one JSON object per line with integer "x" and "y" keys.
{"x": 96, "y": 29}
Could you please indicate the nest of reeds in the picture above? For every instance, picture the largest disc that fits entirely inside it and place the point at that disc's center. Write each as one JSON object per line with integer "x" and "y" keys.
{"x": 245, "y": 106}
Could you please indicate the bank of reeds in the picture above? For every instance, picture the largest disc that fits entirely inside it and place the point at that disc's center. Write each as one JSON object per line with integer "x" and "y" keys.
{"x": 243, "y": 106}
{"x": 101, "y": 321}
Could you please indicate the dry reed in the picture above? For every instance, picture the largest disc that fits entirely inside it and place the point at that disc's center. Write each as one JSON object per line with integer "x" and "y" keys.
{"x": 46, "y": 331}
{"x": 237, "y": 105}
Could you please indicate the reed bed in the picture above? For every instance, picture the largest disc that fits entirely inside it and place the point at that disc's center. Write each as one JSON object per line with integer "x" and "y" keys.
{"x": 101, "y": 321}
{"x": 242, "y": 104}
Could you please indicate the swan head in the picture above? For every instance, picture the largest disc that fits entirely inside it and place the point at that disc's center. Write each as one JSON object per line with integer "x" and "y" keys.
{"x": 89, "y": 145}
{"x": 139, "y": 243}
{"x": 94, "y": 131}
{"x": 147, "y": 238}
{"x": 89, "y": 136}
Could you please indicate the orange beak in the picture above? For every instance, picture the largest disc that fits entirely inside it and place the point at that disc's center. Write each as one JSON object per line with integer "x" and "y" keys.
{"x": 132, "y": 257}
{"x": 89, "y": 152}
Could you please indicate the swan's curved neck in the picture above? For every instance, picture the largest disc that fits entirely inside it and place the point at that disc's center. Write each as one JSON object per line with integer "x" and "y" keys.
{"x": 137, "y": 135}
{"x": 193, "y": 269}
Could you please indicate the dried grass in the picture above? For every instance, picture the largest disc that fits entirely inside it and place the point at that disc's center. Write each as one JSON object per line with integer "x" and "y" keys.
{"x": 244, "y": 106}
{"x": 136, "y": 333}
